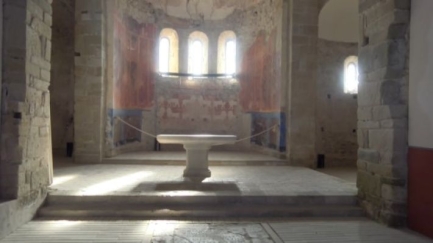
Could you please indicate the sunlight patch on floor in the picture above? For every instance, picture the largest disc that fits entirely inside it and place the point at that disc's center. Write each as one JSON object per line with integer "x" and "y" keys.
{"x": 115, "y": 184}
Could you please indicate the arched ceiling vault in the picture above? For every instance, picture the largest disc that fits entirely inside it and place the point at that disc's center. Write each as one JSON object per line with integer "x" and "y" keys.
{"x": 210, "y": 9}
{"x": 339, "y": 21}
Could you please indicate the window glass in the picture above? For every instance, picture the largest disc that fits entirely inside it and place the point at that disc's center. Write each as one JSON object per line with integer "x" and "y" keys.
{"x": 164, "y": 55}
{"x": 198, "y": 44}
{"x": 226, "y": 63}
{"x": 351, "y": 75}
{"x": 196, "y": 50}
{"x": 230, "y": 57}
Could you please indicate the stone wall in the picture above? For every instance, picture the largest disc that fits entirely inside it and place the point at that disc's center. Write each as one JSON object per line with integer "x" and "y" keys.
{"x": 26, "y": 151}
{"x": 383, "y": 109}
{"x": 302, "y": 80}
{"x": 336, "y": 111}
{"x": 62, "y": 73}
{"x": 89, "y": 80}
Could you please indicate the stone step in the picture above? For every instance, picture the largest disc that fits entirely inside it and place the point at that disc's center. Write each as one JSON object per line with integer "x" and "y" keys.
{"x": 189, "y": 207}
{"x": 184, "y": 212}
{"x": 211, "y": 200}
{"x": 270, "y": 162}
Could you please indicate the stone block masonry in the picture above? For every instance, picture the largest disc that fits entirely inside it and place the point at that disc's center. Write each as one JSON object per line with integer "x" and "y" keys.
{"x": 62, "y": 74}
{"x": 26, "y": 158}
{"x": 89, "y": 78}
{"x": 336, "y": 111}
{"x": 301, "y": 132}
{"x": 382, "y": 109}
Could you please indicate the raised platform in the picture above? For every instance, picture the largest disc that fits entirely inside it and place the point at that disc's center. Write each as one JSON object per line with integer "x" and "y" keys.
{"x": 105, "y": 191}
{"x": 178, "y": 158}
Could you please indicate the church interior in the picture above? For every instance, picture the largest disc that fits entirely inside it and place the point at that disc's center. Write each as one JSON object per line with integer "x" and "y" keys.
{"x": 216, "y": 121}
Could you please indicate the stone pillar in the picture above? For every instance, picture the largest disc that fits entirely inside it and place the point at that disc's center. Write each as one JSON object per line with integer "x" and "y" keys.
{"x": 183, "y": 50}
{"x": 26, "y": 151}
{"x": 383, "y": 109}
{"x": 302, "y": 80}
{"x": 62, "y": 74}
{"x": 213, "y": 52}
{"x": 285, "y": 56}
{"x": 89, "y": 80}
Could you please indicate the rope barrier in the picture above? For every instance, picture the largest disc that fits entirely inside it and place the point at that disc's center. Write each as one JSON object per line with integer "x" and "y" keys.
{"x": 257, "y": 134}
{"x": 237, "y": 141}
{"x": 129, "y": 125}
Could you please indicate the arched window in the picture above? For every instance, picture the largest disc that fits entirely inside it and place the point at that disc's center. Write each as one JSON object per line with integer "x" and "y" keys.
{"x": 196, "y": 57}
{"x": 351, "y": 75}
{"x": 198, "y": 53}
{"x": 168, "y": 51}
{"x": 164, "y": 55}
{"x": 227, "y": 53}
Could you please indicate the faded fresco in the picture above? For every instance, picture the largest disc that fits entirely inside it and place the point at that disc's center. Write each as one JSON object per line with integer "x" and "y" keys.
{"x": 276, "y": 137}
{"x": 260, "y": 94}
{"x": 133, "y": 78}
{"x": 122, "y": 134}
{"x": 134, "y": 60}
{"x": 198, "y": 106}
{"x": 260, "y": 76}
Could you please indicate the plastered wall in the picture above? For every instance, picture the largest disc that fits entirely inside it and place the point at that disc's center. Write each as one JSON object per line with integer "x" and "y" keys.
{"x": 338, "y": 21}
{"x": 420, "y": 179}
{"x": 421, "y": 76}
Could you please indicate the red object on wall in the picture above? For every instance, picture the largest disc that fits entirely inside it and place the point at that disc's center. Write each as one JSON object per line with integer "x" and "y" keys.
{"x": 134, "y": 63}
{"x": 260, "y": 84}
{"x": 420, "y": 191}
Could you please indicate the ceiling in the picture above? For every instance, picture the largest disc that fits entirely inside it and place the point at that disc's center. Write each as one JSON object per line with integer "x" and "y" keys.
{"x": 209, "y": 9}
{"x": 339, "y": 21}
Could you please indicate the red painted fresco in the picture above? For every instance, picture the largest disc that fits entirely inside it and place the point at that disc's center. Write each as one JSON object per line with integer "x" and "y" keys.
{"x": 420, "y": 190}
{"x": 259, "y": 77}
{"x": 134, "y": 60}
{"x": 198, "y": 106}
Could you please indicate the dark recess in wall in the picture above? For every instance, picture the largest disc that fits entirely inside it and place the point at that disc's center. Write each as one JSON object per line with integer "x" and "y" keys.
{"x": 321, "y": 161}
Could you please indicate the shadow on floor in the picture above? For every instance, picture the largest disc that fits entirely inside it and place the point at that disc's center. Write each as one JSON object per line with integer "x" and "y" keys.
{"x": 187, "y": 186}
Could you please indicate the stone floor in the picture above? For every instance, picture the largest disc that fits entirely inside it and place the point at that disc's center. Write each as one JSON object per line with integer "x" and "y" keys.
{"x": 107, "y": 179}
{"x": 345, "y": 173}
{"x": 127, "y": 179}
{"x": 312, "y": 231}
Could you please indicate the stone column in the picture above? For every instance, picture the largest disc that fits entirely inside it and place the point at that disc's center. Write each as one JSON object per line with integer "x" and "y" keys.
{"x": 285, "y": 56}
{"x": 89, "y": 80}
{"x": 26, "y": 151}
{"x": 383, "y": 109}
{"x": 183, "y": 50}
{"x": 213, "y": 52}
{"x": 302, "y": 80}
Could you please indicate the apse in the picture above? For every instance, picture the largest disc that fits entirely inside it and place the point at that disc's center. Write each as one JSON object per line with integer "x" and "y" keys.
{"x": 190, "y": 67}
